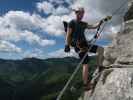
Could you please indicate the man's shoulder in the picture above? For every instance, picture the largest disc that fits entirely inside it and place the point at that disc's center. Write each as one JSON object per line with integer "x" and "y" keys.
{"x": 72, "y": 24}
{"x": 72, "y": 21}
{"x": 83, "y": 22}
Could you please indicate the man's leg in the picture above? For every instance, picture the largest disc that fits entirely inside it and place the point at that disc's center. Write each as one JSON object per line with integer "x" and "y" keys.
{"x": 87, "y": 83}
{"x": 85, "y": 66}
{"x": 85, "y": 73}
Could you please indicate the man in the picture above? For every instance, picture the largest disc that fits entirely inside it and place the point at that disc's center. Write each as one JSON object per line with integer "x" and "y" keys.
{"x": 75, "y": 37}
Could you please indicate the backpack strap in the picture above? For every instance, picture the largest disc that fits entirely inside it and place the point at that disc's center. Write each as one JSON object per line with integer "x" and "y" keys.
{"x": 65, "y": 26}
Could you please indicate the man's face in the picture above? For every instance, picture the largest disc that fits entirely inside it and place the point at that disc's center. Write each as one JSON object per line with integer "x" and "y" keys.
{"x": 80, "y": 15}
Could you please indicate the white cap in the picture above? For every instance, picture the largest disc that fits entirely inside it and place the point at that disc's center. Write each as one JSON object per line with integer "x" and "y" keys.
{"x": 80, "y": 9}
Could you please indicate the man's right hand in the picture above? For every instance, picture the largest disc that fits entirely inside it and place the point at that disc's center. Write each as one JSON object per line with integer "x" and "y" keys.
{"x": 104, "y": 20}
{"x": 67, "y": 48}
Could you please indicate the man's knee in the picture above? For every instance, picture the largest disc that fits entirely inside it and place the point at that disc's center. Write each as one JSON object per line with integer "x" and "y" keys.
{"x": 85, "y": 65}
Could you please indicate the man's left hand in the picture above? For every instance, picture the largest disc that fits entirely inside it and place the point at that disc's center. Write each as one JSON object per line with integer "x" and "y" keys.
{"x": 107, "y": 18}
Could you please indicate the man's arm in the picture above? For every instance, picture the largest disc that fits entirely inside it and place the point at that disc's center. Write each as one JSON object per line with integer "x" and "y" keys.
{"x": 68, "y": 40}
{"x": 99, "y": 23}
{"x": 69, "y": 37}
{"x": 95, "y": 25}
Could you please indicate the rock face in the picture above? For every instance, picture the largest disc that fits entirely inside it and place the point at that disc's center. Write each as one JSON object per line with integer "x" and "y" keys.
{"x": 118, "y": 83}
{"x": 121, "y": 50}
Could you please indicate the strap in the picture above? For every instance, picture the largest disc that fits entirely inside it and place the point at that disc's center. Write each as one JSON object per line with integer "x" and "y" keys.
{"x": 65, "y": 26}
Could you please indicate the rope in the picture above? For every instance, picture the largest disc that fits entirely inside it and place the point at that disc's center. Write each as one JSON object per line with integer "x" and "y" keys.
{"x": 78, "y": 66}
{"x": 73, "y": 74}
{"x": 116, "y": 11}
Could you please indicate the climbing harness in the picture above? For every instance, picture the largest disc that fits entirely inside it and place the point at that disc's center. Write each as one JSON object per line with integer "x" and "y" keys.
{"x": 92, "y": 41}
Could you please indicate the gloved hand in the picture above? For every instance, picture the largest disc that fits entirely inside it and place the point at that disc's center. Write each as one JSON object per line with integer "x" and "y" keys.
{"x": 107, "y": 18}
{"x": 67, "y": 48}
{"x": 76, "y": 49}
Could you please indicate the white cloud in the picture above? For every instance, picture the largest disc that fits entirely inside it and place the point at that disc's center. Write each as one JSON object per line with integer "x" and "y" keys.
{"x": 45, "y": 6}
{"x": 61, "y": 10}
{"x": 18, "y": 25}
{"x": 35, "y": 53}
{"x": 22, "y": 20}
{"x": 48, "y": 7}
{"x": 15, "y": 22}
{"x": 60, "y": 2}
{"x": 6, "y": 46}
{"x": 33, "y": 38}
{"x": 57, "y": 1}
{"x": 47, "y": 42}
{"x": 61, "y": 54}
{"x": 54, "y": 25}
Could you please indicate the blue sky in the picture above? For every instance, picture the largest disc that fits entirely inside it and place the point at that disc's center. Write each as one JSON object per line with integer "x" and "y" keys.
{"x": 33, "y": 28}
{"x": 7, "y": 5}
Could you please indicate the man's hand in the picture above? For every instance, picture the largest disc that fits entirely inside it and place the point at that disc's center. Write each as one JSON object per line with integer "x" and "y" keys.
{"x": 107, "y": 18}
{"x": 104, "y": 20}
{"x": 67, "y": 48}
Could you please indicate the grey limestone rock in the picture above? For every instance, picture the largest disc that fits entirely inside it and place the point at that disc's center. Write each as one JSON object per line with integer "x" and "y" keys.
{"x": 116, "y": 83}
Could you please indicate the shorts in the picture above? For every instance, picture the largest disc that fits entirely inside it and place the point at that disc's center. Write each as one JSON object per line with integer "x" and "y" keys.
{"x": 86, "y": 60}
{"x": 82, "y": 54}
{"x": 93, "y": 48}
